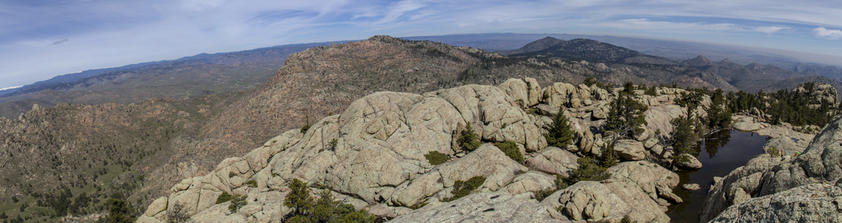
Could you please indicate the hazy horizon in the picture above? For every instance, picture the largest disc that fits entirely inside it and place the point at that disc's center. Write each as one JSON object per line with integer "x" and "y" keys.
{"x": 43, "y": 39}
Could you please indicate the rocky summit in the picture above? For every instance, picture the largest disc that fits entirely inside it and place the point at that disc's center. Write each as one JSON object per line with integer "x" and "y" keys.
{"x": 415, "y": 131}
{"x": 372, "y": 156}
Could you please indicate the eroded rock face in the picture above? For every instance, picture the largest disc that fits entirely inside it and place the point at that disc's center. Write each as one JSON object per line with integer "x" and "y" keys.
{"x": 608, "y": 201}
{"x": 375, "y": 151}
{"x": 821, "y": 163}
{"x": 630, "y": 149}
{"x": 554, "y": 160}
{"x": 372, "y": 156}
{"x": 808, "y": 203}
{"x": 484, "y": 207}
{"x": 639, "y": 190}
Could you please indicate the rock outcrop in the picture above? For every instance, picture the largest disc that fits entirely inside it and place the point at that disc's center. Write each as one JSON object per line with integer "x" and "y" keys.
{"x": 808, "y": 203}
{"x": 638, "y": 190}
{"x": 484, "y": 207}
{"x": 773, "y": 181}
{"x": 372, "y": 156}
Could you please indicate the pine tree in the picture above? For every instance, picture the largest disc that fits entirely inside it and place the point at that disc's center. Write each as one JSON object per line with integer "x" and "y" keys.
{"x": 626, "y": 116}
{"x": 298, "y": 198}
{"x": 560, "y": 134}
{"x": 119, "y": 211}
{"x": 468, "y": 140}
{"x": 718, "y": 115}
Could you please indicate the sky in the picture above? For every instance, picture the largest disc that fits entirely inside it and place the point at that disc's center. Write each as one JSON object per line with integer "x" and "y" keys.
{"x": 40, "y": 39}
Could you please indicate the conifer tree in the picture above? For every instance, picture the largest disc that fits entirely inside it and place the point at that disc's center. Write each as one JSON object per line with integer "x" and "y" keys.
{"x": 468, "y": 140}
{"x": 626, "y": 115}
{"x": 560, "y": 134}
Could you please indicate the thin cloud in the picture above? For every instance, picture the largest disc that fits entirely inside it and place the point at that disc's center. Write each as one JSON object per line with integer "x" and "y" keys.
{"x": 643, "y": 23}
{"x": 833, "y": 34}
{"x": 113, "y": 33}
{"x": 770, "y": 29}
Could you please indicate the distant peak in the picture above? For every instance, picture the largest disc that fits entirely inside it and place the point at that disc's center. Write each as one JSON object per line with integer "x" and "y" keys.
{"x": 698, "y": 61}
{"x": 385, "y": 39}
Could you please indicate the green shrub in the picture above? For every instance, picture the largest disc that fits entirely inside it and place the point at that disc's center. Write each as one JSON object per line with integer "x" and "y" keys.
{"x": 306, "y": 126}
{"x": 560, "y": 184}
{"x": 325, "y": 209}
{"x": 251, "y": 183}
{"x": 119, "y": 211}
{"x": 461, "y": 189}
{"x": 224, "y": 197}
{"x": 177, "y": 214}
{"x": 591, "y": 81}
{"x": 773, "y": 151}
{"x": 651, "y": 91}
{"x": 468, "y": 140}
{"x": 627, "y": 219}
{"x": 560, "y": 134}
{"x": 589, "y": 170}
{"x": 237, "y": 202}
{"x": 511, "y": 150}
{"x": 436, "y": 158}
{"x": 609, "y": 157}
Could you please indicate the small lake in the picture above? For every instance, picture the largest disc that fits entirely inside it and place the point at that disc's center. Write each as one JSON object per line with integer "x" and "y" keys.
{"x": 719, "y": 154}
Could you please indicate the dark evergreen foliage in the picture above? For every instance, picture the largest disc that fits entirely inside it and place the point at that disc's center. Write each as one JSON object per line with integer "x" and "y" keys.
{"x": 119, "y": 211}
{"x": 468, "y": 139}
{"x": 560, "y": 134}
{"x": 626, "y": 115}
{"x": 719, "y": 117}
{"x": 323, "y": 210}
{"x": 511, "y": 150}
{"x": 436, "y": 158}
{"x": 463, "y": 188}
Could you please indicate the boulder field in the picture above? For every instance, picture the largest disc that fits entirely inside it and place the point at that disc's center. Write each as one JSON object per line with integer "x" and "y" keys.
{"x": 372, "y": 156}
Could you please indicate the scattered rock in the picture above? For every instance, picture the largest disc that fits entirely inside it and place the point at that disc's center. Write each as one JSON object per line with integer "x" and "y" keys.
{"x": 748, "y": 124}
{"x": 692, "y": 187}
{"x": 688, "y": 161}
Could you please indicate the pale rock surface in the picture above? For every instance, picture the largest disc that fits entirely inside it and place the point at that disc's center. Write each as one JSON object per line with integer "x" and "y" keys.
{"x": 691, "y": 186}
{"x": 606, "y": 201}
{"x": 532, "y": 181}
{"x": 808, "y": 203}
{"x": 554, "y": 160}
{"x": 658, "y": 117}
{"x": 654, "y": 180}
{"x": 378, "y": 158}
{"x": 748, "y": 124}
{"x": 630, "y": 149}
{"x": 688, "y": 161}
{"x": 483, "y": 207}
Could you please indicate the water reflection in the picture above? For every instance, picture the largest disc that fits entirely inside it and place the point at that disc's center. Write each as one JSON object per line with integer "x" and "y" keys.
{"x": 723, "y": 151}
{"x": 716, "y": 140}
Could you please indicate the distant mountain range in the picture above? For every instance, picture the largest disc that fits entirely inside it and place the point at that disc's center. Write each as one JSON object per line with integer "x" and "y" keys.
{"x": 193, "y": 76}
{"x": 237, "y": 101}
{"x": 697, "y": 72}
{"x": 207, "y": 74}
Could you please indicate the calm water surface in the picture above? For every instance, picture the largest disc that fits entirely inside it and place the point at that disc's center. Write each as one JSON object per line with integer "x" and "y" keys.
{"x": 719, "y": 155}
